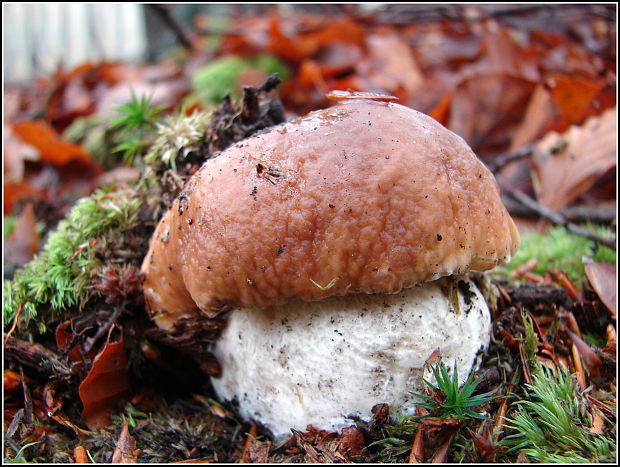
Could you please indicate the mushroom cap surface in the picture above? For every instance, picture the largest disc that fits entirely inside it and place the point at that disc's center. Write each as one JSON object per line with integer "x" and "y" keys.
{"x": 362, "y": 197}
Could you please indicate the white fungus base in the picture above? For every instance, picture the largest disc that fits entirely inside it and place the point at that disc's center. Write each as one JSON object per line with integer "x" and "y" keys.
{"x": 318, "y": 363}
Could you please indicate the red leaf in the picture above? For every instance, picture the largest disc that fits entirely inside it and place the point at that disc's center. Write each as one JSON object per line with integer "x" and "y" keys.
{"x": 106, "y": 385}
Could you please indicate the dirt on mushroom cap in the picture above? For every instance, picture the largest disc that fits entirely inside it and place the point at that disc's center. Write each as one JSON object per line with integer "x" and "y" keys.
{"x": 362, "y": 197}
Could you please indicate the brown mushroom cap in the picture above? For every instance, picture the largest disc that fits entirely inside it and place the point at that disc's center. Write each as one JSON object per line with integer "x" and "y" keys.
{"x": 362, "y": 197}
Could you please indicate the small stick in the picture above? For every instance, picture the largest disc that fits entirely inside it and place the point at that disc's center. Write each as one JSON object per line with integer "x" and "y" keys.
{"x": 417, "y": 450}
{"x": 14, "y": 325}
{"x": 551, "y": 215}
{"x": 506, "y": 158}
{"x": 581, "y": 376}
{"x": 245, "y": 455}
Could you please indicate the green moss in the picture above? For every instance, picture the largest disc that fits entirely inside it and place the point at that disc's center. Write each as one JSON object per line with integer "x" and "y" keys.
{"x": 559, "y": 248}
{"x": 551, "y": 423}
{"x": 9, "y": 225}
{"x": 211, "y": 82}
{"x": 60, "y": 275}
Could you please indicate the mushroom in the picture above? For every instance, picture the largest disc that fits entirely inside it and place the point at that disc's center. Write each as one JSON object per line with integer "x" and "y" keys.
{"x": 339, "y": 244}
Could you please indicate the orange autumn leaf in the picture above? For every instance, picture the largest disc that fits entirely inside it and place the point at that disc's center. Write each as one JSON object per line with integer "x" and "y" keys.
{"x": 15, "y": 191}
{"x": 50, "y": 144}
{"x": 573, "y": 94}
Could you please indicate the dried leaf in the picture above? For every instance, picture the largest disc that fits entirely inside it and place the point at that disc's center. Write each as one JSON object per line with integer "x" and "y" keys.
{"x": 591, "y": 360}
{"x": 351, "y": 441}
{"x": 15, "y": 191}
{"x": 484, "y": 444}
{"x": 106, "y": 384}
{"x": 603, "y": 278}
{"x": 574, "y": 94}
{"x": 48, "y": 142}
{"x": 568, "y": 165}
{"x": 79, "y": 453}
{"x": 125, "y": 451}
{"x": 24, "y": 241}
{"x": 16, "y": 154}
{"x": 390, "y": 65}
{"x": 485, "y": 110}
{"x": 259, "y": 452}
{"x": 11, "y": 381}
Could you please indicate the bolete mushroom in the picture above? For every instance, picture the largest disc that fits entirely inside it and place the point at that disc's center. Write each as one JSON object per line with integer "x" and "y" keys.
{"x": 341, "y": 241}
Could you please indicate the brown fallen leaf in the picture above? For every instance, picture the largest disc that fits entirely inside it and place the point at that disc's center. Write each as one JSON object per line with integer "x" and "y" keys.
{"x": 21, "y": 246}
{"x": 592, "y": 361}
{"x": 16, "y": 153}
{"x": 484, "y": 444}
{"x": 106, "y": 384}
{"x": 351, "y": 441}
{"x": 390, "y": 65}
{"x": 567, "y": 165}
{"x": 603, "y": 278}
{"x": 486, "y": 109}
{"x": 125, "y": 451}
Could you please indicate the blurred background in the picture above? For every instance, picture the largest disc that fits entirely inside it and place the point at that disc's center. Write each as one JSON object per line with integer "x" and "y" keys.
{"x": 505, "y": 77}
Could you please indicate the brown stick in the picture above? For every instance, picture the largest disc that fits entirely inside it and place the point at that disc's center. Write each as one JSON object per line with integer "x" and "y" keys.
{"x": 550, "y": 215}
{"x": 417, "y": 450}
{"x": 35, "y": 356}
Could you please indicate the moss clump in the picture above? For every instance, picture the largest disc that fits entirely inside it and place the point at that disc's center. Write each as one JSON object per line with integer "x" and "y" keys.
{"x": 552, "y": 423}
{"x": 561, "y": 249}
{"x": 59, "y": 276}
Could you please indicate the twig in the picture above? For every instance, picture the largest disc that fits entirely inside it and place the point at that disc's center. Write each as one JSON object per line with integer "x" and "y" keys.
{"x": 104, "y": 328}
{"x": 184, "y": 36}
{"x": 28, "y": 416}
{"x": 245, "y": 454}
{"x": 551, "y": 215}
{"x": 417, "y": 449}
{"x": 37, "y": 357}
{"x": 14, "y": 325}
{"x": 506, "y": 158}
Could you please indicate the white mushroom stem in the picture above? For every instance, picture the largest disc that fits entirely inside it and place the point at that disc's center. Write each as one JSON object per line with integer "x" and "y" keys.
{"x": 320, "y": 362}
